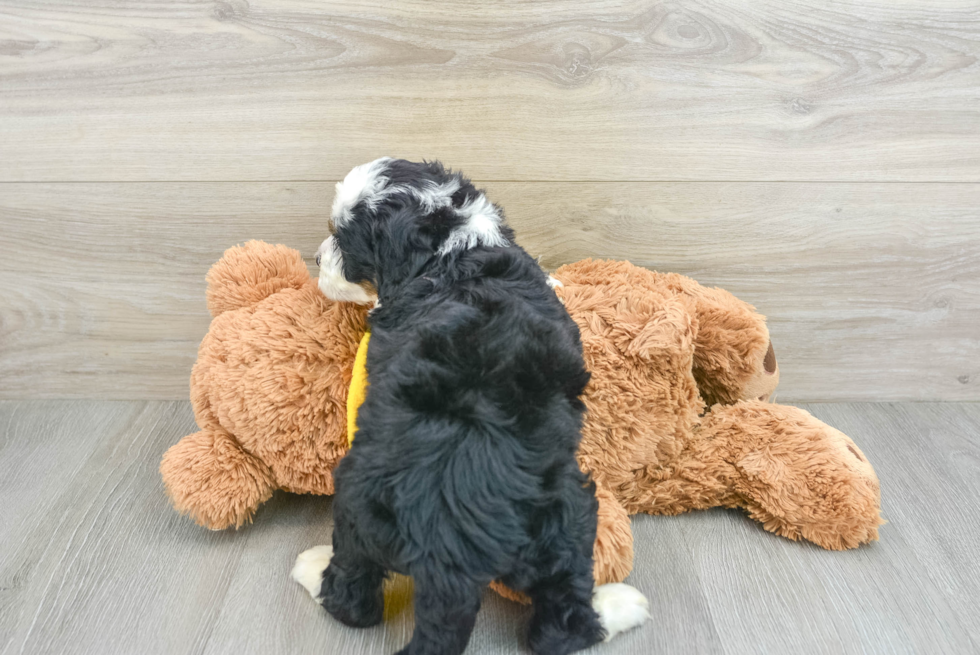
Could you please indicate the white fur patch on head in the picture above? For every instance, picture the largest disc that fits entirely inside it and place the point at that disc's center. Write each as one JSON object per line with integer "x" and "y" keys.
{"x": 620, "y": 607}
{"x": 309, "y": 568}
{"x": 432, "y": 196}
{"x": 332, "y": 282}
{"x": 482, "y": 226}
{"x": 365, "y": 182}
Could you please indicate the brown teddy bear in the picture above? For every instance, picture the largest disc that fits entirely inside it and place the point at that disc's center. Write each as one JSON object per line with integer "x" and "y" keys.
{"x": 678, "y": 417}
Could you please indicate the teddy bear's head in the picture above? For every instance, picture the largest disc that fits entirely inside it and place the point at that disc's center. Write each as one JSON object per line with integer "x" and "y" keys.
{"x": 274, "y": 369}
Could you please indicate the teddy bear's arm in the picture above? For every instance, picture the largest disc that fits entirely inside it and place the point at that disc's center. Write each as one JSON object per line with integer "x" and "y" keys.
{"x": 211, "y": 478}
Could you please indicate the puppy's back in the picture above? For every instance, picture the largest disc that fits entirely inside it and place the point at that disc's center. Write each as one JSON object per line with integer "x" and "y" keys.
{"x": 473, "y": 413}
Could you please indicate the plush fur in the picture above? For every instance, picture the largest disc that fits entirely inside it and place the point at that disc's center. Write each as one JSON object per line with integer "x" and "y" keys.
{"x": 270, "y": 383}
{"x": 463, "y": 470}
{"x": 681, "y": 378}
{"x": 674, "y": 420}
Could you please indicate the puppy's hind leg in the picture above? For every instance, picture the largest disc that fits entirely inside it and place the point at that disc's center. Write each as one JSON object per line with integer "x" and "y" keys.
{"x": 445, "y": 611}
{"x": 341, "y": 578}
{"x": 569, "y": 614}
{"x": 564, "y": 620}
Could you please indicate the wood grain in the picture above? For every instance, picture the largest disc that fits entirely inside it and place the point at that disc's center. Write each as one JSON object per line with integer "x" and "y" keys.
{"x": 820, "y": 160}
{"x": 636, "y": 90}
{"x": 926, "y": 483}
{"x": 872, "y": 290}
{"x": 103, "y": 285}
{"x": 93, "y": 559}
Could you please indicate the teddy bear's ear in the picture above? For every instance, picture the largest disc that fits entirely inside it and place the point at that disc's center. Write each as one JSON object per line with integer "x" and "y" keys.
{"x": 249, "y": 273}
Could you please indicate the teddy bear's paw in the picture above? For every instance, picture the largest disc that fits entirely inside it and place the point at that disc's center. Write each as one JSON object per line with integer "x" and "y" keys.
{"x": 309, "y": 568}
{"x": 620, "y": 607}
{"x": 210, "y": 477}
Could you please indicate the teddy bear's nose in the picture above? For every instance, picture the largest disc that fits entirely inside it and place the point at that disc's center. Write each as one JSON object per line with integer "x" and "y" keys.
{"x": 769, "y": 363}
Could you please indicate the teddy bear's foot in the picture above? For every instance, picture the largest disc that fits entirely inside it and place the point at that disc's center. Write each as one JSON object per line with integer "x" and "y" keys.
{"x": 209, "y": 477}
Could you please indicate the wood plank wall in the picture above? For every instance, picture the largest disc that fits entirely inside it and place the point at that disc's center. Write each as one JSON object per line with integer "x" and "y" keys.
{"x": 820, "y": 160}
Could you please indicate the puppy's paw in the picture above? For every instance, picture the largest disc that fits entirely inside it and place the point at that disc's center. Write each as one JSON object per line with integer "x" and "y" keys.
{"x": 620, "y": 607}
{"x": 309, "y": 568}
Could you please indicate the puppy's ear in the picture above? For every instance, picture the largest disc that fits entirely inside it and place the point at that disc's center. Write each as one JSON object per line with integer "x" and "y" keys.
{"x": 404, "y": 240}
{"x": 358, "y": 243}
{"x": 352, "y": 220}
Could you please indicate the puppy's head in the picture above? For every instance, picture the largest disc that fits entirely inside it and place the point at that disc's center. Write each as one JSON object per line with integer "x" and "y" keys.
{"x": 391, "y": 217}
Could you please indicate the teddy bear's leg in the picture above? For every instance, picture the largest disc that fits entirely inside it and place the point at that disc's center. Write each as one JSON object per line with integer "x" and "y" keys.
{"x": 209, "y": 477}
{"x": 733, "y": 356}
{"x": 795, "y": 474}
{"x": 613, "y": 552}
{"x": 249, "y": 273}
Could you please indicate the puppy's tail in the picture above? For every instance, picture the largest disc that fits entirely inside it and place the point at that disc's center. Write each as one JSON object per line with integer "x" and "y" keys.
{"x": 620, "y": 607}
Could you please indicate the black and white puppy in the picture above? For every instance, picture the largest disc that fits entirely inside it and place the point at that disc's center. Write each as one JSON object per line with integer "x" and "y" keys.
{"x": 463, "y": 469}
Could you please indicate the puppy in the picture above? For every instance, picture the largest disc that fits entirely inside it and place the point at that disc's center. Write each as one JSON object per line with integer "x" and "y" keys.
{"x": 463, "y": 469}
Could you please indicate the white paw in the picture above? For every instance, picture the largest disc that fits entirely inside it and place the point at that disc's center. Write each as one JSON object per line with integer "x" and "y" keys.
{"x": 620, "y": 607}
{"x": 309, "y": 568}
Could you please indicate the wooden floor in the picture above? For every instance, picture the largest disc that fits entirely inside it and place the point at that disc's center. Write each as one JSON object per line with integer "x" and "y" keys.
{"x": 93, "y": 559}
{"x": 819, "y": 160}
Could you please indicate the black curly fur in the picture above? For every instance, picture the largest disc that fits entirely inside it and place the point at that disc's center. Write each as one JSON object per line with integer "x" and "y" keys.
{"x": 463, "y": 469}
